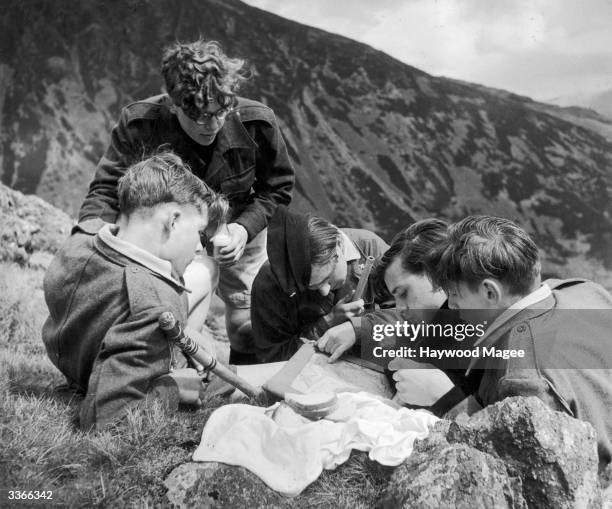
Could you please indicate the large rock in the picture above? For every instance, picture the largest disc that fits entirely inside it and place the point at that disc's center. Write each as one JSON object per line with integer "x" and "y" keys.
{"x": 208, "y": 485}
{"x": 606, "y": 486}
{"x": 554, "y": 454}
{"x": 452, "y": 476}
{"x": 516, "y": 453}
{"x": 31, "y": 230}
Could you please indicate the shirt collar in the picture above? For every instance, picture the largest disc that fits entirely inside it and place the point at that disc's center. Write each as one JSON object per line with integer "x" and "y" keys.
{"x": 349, "y": 250}
{"x": 108, "y": 235}
{"x": 233, "y": 134}
{"x": 529, "y": 300}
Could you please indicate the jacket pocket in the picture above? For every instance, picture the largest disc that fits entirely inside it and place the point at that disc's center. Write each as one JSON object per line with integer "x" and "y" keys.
{"x": 240, "y": 176}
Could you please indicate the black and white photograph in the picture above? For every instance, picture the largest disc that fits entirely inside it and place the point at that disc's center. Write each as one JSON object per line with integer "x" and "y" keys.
{"x": 288, "y": 254}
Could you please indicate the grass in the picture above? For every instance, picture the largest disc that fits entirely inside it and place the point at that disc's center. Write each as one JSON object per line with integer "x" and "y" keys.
{"x": 123, "y": 466}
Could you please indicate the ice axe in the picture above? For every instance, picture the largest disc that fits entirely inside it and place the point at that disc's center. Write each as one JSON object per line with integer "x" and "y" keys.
{"x": 175, "y": 333}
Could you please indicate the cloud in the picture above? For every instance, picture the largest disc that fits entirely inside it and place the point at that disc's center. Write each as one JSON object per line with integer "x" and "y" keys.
{"x": 539, "y": 48}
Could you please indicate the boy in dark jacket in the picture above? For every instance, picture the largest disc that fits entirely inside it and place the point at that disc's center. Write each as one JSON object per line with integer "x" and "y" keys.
{"x": 556, "y": 333}
{"x": 306, "y": 287}
{"x": 108, "y": 285}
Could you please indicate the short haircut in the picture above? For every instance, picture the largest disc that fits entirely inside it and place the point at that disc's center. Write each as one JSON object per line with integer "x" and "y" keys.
{"x": 165, "y": 178}
{"x": 323, "y": 238}
{"x": 481, "y": 247}
{"x": 198, "y": 73}
{"x": 412, "y": 246}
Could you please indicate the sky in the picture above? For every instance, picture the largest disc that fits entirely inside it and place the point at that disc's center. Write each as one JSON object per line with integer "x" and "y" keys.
{"x": 545, "y": 49}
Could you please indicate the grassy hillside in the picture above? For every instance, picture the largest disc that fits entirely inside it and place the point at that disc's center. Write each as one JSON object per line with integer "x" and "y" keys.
{"x": 124, "y": 466}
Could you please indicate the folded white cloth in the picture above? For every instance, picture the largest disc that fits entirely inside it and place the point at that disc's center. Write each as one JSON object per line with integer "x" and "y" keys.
{"x": 289, "y": 457}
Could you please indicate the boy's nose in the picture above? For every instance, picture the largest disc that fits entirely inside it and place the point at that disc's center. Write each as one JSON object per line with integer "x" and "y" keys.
{"x": 401, "y": 305}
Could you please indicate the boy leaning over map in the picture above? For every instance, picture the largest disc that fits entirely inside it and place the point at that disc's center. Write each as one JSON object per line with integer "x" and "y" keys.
{"x": 556, "y": 332}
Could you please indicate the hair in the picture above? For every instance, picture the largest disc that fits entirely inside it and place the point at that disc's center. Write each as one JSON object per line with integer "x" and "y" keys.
{"x": 323, "y": 238}
{"x": 199, "y": 73}
{"x": 412, "y": 246}
{"x": 481, "y": 247}
{"x": 165, "y": 178}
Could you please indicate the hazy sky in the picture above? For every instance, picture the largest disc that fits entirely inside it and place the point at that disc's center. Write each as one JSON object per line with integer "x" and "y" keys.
{"x": 540, "y": 48}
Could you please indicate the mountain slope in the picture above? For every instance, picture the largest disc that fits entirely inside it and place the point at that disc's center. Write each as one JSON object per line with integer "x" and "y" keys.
{"x": 601, "y": 102}
{"x": 376, "y": 143}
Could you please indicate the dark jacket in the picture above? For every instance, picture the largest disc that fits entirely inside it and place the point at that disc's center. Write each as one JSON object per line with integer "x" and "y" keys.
{"x": 249, "y": 164}
{"x": 283, "y": 308}
{"x": 102, "y": 331}
{"x": 568, "y": 356}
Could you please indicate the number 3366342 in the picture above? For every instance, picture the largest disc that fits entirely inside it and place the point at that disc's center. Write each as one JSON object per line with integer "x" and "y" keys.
{"x": 30, "y": 495}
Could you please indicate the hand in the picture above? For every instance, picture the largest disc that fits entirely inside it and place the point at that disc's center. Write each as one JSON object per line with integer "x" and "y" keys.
{"x": 344, "y": 310}
{"x": 337, "y": 340}
{"x": 232, "y": 251}
{"x": 422, "y": 386}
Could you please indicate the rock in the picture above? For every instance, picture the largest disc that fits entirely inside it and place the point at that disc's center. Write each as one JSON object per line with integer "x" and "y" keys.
{"x": 607, "y": 498}
{"x": 31, "y": 230}
{"x": 209, "y": 485}
{"x": 517, "y": 453}
{"x": 554, "y": 454}
{"x": 452, "y": 476}
{"x": 436, "y": 437}
{"x": 40, "y": 259}
{"x": 606, "y": 486}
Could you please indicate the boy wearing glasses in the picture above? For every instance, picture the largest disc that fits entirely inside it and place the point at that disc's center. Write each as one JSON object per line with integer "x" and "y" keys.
{"x": 308, "y": 284}
{"x": 231, "y": 143}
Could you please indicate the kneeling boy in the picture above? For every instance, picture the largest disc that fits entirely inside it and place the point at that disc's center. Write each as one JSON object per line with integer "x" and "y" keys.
{"x": 108, "y": 285}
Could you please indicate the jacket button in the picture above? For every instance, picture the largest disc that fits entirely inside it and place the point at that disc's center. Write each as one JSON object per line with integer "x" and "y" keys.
{"x": 521, "y": 328}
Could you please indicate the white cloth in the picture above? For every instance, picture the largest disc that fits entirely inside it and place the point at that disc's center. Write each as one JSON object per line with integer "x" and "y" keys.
{"x": 289, "y": 458}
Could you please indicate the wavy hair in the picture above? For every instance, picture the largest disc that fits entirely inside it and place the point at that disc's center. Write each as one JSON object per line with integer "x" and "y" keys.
{"x": 199, "y": 73}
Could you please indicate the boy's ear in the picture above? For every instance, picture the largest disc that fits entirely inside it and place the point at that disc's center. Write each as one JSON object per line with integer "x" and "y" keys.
{"x": 170, "y": 219}
{"x": 492, "y": 292}
{"x": 176, "y": 214}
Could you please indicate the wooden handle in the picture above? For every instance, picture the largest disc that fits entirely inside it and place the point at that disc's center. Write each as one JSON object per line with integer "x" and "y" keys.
{"x": 174, "y": 332}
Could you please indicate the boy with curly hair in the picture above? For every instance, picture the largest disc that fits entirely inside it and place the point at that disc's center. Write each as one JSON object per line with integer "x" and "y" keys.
{"x": 234, "y": 145}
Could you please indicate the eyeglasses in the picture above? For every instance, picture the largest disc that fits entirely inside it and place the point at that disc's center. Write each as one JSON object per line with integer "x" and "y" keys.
{"x": 205, "y": 117}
